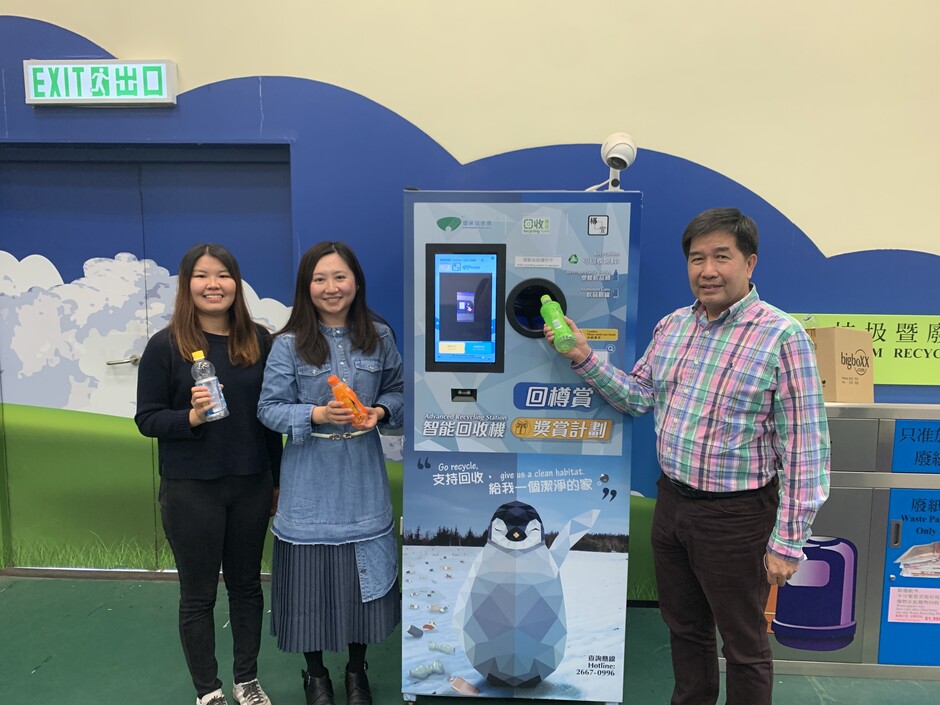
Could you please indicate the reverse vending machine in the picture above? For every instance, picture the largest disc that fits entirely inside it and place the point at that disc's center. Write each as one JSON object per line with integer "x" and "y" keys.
{"x": 516, "y": 473}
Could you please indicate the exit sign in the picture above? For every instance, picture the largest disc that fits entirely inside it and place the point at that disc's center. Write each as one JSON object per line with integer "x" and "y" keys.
{"x": 100, "y": 82}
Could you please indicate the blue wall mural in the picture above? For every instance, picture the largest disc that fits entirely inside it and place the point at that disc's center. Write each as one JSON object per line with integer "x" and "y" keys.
{"x": 350, "y": 160}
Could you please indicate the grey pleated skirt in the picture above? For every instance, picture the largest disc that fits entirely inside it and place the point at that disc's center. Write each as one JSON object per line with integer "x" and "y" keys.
{"x": 316, "y": 604}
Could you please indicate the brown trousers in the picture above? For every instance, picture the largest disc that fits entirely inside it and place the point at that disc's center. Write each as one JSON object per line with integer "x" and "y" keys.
{"x": 708, "y": 555}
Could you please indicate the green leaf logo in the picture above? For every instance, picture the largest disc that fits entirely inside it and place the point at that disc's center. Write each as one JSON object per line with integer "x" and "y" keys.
{"x": 449, "y": 224}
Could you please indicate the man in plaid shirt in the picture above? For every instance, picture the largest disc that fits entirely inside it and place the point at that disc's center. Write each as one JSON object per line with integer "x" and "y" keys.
{"x": 743, "y": 442}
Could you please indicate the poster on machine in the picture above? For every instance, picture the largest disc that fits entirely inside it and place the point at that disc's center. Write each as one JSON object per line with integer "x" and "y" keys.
{"x": 516, "y": 472}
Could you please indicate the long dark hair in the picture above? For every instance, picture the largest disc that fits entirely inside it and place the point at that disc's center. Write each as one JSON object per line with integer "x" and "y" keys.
{"x": 243, "y": 346}
{"x": 304, "y": 318}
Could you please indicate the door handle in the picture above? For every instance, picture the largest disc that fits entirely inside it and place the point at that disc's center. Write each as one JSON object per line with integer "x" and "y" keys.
{"x": 132, "y": 360}
{"x": 895, "y": 539}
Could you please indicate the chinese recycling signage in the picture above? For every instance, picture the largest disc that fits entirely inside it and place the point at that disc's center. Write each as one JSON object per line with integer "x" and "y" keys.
{"x": 906, "y": 348}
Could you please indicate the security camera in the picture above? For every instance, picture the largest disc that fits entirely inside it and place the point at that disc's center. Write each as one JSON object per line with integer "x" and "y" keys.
{"x": 618, "y": 151}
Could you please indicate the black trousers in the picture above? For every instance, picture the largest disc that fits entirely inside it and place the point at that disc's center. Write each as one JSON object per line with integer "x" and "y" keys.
{"x": 708, "y": 555}
{"x": 212, "y": 525}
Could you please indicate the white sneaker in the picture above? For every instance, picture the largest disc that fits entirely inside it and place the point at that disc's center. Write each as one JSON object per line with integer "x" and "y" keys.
{"x": 216, "y": 697}
{"x": 250, "y": 693}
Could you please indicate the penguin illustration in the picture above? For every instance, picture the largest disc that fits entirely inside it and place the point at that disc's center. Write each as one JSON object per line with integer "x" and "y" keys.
{"x": 511, "y": 608}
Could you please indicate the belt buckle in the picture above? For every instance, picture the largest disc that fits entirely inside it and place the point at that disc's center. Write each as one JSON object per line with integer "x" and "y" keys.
{"x": 341, "y": 436}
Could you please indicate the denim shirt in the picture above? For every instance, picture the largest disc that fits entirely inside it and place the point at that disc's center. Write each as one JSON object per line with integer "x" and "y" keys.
{"x": 336, "y": 491}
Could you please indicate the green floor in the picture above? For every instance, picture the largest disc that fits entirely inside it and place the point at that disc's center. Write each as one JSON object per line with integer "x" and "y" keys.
{"x": 99, "y": 642}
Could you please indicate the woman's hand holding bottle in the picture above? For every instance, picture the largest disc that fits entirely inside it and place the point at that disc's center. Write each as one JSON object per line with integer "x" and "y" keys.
{"x": 202, "y": 402}
{"x": 339, "y": 414}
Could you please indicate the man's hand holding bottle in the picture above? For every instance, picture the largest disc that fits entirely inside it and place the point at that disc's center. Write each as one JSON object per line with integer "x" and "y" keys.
{"x": 581, "y": 350}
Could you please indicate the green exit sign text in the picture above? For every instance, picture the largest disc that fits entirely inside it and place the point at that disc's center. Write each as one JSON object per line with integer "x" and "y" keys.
{"x": 100, "y": 82}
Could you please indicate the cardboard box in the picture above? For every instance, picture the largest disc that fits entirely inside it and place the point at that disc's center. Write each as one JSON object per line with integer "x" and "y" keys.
{"x": 845, "y": 361}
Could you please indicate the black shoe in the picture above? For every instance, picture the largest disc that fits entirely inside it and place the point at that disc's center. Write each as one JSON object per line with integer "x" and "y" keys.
{"x": 357, "y": 687}
{"x": 319, "y": 691}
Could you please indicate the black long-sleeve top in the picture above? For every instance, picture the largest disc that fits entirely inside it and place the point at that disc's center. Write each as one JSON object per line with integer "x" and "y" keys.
{"x": 236, "y": 445}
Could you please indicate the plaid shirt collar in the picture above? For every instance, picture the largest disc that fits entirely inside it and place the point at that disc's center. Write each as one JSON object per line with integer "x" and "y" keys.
{"x": 735, "y": 311}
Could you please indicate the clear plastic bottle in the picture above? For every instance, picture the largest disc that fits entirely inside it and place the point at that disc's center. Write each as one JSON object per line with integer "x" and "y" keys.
{"x": 203, "y": 372}
{"x": 343, "y": 393}
{"x": 555, "y": 317}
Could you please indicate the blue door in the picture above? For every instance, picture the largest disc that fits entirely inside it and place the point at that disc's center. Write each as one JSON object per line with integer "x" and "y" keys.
{"x": 90, "y": 240}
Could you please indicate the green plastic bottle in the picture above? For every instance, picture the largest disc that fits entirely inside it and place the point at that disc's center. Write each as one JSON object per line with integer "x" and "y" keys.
{"x": 555, "y": 317}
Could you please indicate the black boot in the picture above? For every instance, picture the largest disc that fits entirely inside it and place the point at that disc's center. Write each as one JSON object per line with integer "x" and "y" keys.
{"x": 319, "y": 691}
{"x": 357, "y": 687}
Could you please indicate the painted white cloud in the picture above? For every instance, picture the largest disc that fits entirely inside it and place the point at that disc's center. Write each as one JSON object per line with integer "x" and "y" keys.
{"x": 269, "y": 312}
{"x": 17, "y": 277}
{"x": 56, "y": 338}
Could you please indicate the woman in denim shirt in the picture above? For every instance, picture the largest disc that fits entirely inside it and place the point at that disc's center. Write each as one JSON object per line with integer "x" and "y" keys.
{"x": 335, "y": 562}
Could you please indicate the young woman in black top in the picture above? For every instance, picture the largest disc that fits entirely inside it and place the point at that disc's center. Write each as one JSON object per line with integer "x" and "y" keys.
{"x": 218, "y": 481}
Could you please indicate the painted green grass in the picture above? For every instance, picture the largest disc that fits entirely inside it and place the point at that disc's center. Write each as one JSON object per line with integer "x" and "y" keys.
{"x": 95, "y": 553}
{"x": 644, "y": 591}
{"x": 81, "y": 490}
{"x": 641, "y": 580}
{"x": 85, "y": 495}
{"x": 123, "y": 555}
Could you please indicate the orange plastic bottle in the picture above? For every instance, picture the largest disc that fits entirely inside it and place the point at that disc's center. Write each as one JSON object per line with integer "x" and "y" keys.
{"x": 342, "y": 392}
